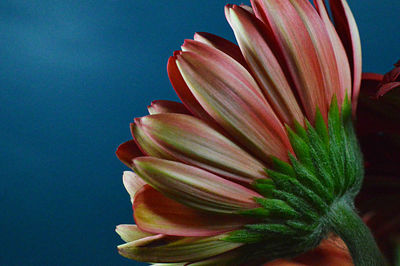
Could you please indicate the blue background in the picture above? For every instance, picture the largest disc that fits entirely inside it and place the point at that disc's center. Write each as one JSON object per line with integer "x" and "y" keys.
{"x": 73, "y": 75}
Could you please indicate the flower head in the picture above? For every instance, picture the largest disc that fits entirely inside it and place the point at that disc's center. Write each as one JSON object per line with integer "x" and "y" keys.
{"x": 260, "y": 159}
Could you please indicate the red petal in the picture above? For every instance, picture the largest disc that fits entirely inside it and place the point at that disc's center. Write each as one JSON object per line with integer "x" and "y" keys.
{"x": 127, "y": 151}
{"x": 164, "y": 106}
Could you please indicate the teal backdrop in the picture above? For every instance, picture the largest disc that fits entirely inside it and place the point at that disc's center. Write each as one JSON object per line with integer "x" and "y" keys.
{"x": 73, "y": 75}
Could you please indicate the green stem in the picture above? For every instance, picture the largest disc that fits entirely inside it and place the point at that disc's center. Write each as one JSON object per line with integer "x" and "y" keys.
{"x": 362, "y": 246}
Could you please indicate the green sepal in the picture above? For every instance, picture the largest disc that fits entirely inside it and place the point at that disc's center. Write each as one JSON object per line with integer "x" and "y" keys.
{"x": 283, "y": 167}
{"x": 264, "y": 186}
{"x": 321, "y": 128}
{"x": 308, "y": 179}
{"x": 245, "y": 236}
{"x": 301, "y": 148}
{"x": 292, "y": 185}
{"x": 280, "y": 229}
{"x": 277, "y": 208}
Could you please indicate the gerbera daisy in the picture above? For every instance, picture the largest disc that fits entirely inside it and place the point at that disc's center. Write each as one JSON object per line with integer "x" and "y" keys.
{"x": 260, "y": 160}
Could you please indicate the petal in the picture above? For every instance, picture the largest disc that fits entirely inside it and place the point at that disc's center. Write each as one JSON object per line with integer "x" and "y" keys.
{"x": 385, "y": 88}
{"x": 231, "y": 96}
{"x": 194, "y": 187}
{"x": 130, "y": 232}
{"x": 192, "y": 141}
{"x": 132, "y": 183}
{"x": 158, "y": 214}
{"x": 340, "y": 53}
{"x": 164, "y": 106}
{"x": 299, "y": 58}
{"x": 183, "y": 91}
{"x": 146, "y": 144}
{"x": 221, "y": 44}
{"x": 249, "y": 32}
{"x": 127, "y": 151}
{"x": 183, "y": 250}
{"x": 347, "y": 28}
{"x": 323, "y": 47}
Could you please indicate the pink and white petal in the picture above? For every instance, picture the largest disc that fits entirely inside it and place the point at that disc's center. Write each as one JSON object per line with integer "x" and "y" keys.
{"x": 165, "y": 106}
{"x": 221, "y": 44}
{"x": 183, "y": 91}
{"x": 190, "y": 140}
{"x": 182, "y": 250}
{"x": 130, "y": 232}
{"x": 158, "y": 214}
{"x": 247, "y": 8}
{"x": 340, "y": 53}
{"x": 322, "y": 45}
{"x": 291, "y": 40}
{"x": 250, "y": 32}
{"x": 347, "y": 29}
{"x": 146, "y": 144}
{"x": 127, "y": 151}
{"x": 195, "y": 187}
{"x": 132, "y": 183}
{"x": 228, "y": 92}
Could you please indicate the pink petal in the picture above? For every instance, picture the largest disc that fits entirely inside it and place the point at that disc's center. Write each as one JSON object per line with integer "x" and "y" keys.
{"x": 158, "y": 214}
{"x": 192, "y": 141}
{"x": 194, "y": 187}
{"x": 250, "y": 32}
{"x": 127, "y": 151}
{"x": 323, "y": 47}
{"x": 132, "y": 183}
{"x": 299, "y": 56}
{"x": 347, "y": 28}
{"x": 146, "y": 144}
{"x": 340, "y": 53}
{"x": 231, "y": 96}
{"x": 184, "y": 92}
{"x": 164, "y": 106}
{"x": 221, "y": 44}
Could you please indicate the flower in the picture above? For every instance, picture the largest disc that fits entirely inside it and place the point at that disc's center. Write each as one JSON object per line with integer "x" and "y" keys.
{"x": 260, "y": 160}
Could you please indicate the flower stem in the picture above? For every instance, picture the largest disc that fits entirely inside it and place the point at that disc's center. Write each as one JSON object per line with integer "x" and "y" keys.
{"x": 362, "y": 246}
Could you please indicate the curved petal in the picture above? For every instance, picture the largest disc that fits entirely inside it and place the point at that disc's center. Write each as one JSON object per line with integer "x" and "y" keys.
{"x": 146, "y": 144}
{"x": 127, "y": 151}
{"x": 158, "y": 214}
{"x": 221, "y": 44}
{"x": 297, "y": 49}
{"x": 164, "y": 106}
{"x": 231, "y": 96}
{"x": 347, "y": 28}
{"x": 182, "y": 250}
{"x": 322, "y": 45}
{"x": 194, "y": 187}
{"x": 265, "y": 67}
{"x": 183, "y": 91}
{"x": 190, "y": 140}
{"x": 130, "y": 232}
{"x": 132, "y": 183}
{"x": 340, "y": 53}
